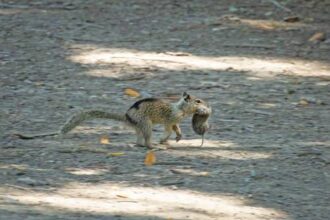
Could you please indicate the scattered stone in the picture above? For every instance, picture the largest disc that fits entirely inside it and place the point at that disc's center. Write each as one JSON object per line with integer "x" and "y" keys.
{"x": 292, "y": 19}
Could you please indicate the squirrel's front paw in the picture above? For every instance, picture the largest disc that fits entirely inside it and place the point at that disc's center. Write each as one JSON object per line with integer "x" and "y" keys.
{"x": 178, "y": 138}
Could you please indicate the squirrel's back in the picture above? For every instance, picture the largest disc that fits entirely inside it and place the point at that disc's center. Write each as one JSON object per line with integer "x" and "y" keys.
{"x": 158, "y": 111}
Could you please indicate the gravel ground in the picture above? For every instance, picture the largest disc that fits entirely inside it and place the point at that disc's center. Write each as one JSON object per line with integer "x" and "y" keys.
{"x": 267, "y": 155}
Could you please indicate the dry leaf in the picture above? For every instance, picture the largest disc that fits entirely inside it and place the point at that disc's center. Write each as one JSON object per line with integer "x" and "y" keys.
{"x": 116, "y": 154}
{"x": 264, "y": 25}
{"x": 303, "y": 102}
{"x": 39, "y": 83}
{"x": 150, "y": 158}
{"x": 317, "y": 37}
{"x": 131, "y": 92}
{"x": 104, "y": 140}
{"x": 121, "y": 196}
{"x": 292, "y": 19}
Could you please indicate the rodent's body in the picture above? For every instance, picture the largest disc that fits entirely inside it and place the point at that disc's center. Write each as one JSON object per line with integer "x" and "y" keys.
{"x": 142, "y": 115}
{"x": 200, "y": 122}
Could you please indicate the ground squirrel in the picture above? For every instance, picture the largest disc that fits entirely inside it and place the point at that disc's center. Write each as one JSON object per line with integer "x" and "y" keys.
{"x": 142, "y": 115}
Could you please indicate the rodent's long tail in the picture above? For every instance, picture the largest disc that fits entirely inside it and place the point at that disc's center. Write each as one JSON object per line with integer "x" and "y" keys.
{"x": 75, "y": 120}
{"x": 85, "y": 115}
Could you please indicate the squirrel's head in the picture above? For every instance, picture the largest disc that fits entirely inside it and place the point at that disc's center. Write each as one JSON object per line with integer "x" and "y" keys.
{"x": 191, "y": 105}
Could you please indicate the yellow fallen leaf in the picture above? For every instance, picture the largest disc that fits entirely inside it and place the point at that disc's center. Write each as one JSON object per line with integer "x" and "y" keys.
{"x": 116, "y": 154}
{"x": 303, "y": 102}
{"x": 317, "y": 37}
{"x": 104, "y": 140}
{"x": 131, "y": 92}
{"x": 150, "y": 158}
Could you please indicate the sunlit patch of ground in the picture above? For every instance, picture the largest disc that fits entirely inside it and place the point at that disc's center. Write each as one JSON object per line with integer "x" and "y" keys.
{"x": 270, "y": 25}
{"x": 315, "y": 143}
{"x": 86, "y": 172}
{"x": 20, "y": 167}
{"x": 215, "y": 149}
{"x": 9, "y": 11}
{"x": 207, "y": 143}
{"x": 259, "y": 67}
{"x": 126, "y": 200}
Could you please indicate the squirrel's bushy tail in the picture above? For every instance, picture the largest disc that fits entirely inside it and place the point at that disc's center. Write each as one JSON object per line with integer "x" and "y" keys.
{"x": 85, "y": 115}
{"x": 75, "y": 120}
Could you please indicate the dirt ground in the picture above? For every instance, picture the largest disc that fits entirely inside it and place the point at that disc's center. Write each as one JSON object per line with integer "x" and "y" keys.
{"x": 267, "y": 155}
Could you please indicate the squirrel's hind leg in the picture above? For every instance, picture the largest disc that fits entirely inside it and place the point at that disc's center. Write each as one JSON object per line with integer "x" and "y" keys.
{"x": 139, "y": 138}
{"x": 167, "y": 133}
{"x": 146, "y": 129}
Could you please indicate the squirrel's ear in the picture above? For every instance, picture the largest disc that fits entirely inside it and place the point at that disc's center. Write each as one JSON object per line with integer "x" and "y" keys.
{"x": 186, "y": 96}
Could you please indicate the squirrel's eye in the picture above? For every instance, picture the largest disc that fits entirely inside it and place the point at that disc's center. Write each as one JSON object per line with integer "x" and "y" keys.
{"x": 198, "y": 101}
